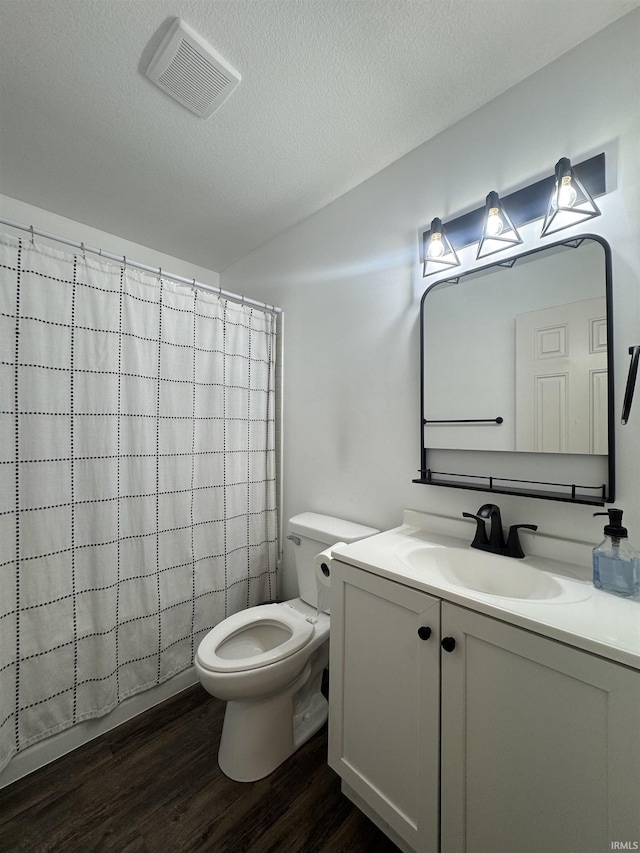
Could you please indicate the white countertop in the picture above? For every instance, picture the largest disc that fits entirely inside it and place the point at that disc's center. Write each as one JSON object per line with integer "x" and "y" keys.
{"x": 582, "y": 616}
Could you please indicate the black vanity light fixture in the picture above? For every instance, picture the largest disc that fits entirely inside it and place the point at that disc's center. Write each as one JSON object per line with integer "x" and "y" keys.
{"x": 550, "y": 198}
{"x": 438, "y": 253}
{"x": 570, "y": 202}
{"x": 498, "y": 231}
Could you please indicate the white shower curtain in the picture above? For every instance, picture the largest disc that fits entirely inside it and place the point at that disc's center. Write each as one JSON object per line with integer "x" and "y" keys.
{"x": 137, "y": 481}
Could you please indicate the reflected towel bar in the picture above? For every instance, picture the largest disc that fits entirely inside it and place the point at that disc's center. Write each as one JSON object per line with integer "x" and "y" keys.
{"x": 468, "y": 421}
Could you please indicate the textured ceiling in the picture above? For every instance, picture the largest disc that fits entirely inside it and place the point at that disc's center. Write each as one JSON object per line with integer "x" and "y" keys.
{"x": 332, "y": 91}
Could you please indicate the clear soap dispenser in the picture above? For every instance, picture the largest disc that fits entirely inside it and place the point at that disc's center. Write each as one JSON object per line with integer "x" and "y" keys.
{"x": 616, "y": 563}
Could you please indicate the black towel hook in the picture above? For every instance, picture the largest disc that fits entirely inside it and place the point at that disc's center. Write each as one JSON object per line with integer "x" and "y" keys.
{"x": 634, "y": 352}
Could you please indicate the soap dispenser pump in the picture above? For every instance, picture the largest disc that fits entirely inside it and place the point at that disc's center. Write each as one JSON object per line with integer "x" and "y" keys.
{"x": 616, "y": 563}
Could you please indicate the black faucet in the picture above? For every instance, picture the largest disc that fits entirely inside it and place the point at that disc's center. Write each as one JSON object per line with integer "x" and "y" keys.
{"x": 496, "y": 536}
{"x": 495, "y": 543}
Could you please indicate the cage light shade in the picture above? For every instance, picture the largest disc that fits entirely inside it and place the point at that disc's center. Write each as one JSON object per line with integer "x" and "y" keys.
{"x": 438, "y": 253}
{"x": 498, "y": 231}
{"x": 570, "y": 202}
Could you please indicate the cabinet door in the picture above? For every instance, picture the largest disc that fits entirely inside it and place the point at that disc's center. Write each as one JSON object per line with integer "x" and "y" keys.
{"x": 540, "y": 743}
{"x": 384, "y": 700}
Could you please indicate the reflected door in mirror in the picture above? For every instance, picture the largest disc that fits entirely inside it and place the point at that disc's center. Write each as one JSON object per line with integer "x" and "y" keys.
{"x": 561, "y": 379}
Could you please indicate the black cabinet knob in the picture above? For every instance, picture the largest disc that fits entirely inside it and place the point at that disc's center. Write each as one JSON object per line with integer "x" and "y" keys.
{"x": 448, "y": 644}
{"x": 424, "y": 633}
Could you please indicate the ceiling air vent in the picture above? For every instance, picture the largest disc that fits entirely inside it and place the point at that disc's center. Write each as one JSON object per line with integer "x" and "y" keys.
{"x": 191, "y": 71}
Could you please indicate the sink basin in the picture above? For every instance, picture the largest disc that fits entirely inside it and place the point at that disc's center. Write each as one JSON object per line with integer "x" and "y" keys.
{"x": 489, "y": 574}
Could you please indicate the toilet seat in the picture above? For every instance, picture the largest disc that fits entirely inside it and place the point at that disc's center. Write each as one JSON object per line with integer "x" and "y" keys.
{"x": 211, "y": 650}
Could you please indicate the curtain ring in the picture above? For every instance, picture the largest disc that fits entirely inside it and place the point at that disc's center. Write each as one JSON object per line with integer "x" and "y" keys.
{"x": 33, "y": 242}
{"x": 84, "y": 257}
{"x": 124, "y": 261}
{"x": 159, "y": 273}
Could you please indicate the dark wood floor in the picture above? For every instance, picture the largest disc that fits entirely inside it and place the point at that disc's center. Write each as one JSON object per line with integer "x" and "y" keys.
{"x": 153, "y": 786}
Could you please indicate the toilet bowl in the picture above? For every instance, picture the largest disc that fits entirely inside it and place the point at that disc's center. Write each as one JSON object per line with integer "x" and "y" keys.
{"x": 259, "y": 651}
{"x": 267, "y": 662}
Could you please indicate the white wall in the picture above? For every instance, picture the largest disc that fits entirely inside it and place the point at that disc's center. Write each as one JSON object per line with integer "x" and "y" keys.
{"x": 348, "y": 279}
{"x": 45, "y": 220}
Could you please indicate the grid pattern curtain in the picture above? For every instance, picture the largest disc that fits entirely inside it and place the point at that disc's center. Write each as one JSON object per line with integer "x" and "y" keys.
{"x": 137, "y": 481}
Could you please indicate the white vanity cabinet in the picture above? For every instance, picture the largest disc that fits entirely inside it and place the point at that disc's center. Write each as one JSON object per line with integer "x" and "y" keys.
{"x": 507, "y": 743}
{"x": 540, "y": 743}
{"x": 384, "y": 700}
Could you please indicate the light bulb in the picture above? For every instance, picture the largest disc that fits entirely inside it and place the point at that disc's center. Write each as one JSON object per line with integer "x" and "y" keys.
{"x": 436, "y": 247}
{"x": 565, "y": 194}
{"x": 494, "y": 224}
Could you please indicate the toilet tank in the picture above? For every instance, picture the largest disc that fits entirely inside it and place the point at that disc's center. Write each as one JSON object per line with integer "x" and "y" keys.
{"x": 317, "y": 532}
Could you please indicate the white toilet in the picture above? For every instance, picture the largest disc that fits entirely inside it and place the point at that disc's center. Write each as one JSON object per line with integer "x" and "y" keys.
{"x": 267, "y": 662}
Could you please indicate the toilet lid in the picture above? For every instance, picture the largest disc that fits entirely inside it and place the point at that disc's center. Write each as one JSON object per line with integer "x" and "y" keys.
{"x": 221, "y": 650}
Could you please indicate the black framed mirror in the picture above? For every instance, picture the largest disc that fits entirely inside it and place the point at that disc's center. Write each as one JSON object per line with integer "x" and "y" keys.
{"x": 516, "y": 375}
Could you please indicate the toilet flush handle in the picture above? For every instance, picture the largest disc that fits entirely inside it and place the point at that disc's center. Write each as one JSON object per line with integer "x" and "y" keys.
{"x": 294, "y": 539}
